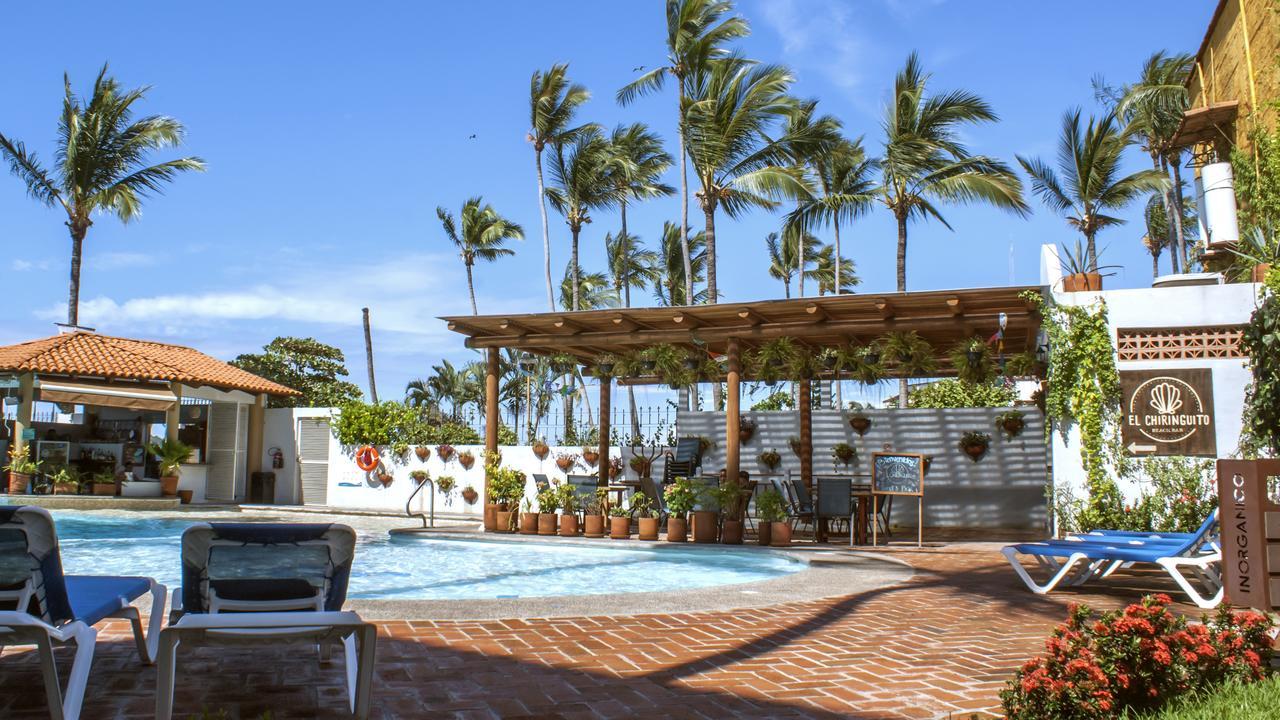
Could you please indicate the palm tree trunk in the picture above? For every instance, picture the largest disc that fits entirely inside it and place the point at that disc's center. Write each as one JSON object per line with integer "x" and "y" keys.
{"x": 1177, "y": 213}
{"x": 684, "y": 198}
{"x": 471, "y": 287}
{"x": 573, "y": 263}
{"x": 546, "y": 231}
{"x": 1091, "y": 249}
{"x": 835, "y": 222}
{"x": 902, "y": 253}
{"x": 1155, "y": 265}
{"x": 799, "y": 258}
{"x": 73, "y": 294}
{"x": 709, "y": 211}
{"x": 1175, "y": 250}
{"x": 786, "y": 288}
{"x": 622, "y": 208}
{"x": 635, "y": 412}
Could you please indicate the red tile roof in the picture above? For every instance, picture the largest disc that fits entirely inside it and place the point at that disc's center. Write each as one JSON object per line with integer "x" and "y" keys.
{"x": 91, "y": 355}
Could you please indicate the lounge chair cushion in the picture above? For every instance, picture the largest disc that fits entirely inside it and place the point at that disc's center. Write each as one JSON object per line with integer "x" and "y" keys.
{"x": 94, "y": 598}
{"x": 263, "y": 590}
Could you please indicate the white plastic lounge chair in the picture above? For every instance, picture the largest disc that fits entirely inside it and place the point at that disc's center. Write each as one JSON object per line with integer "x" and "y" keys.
{"x": 1189, "y": 561}
{"x": 268, "y": 584}
{"x": 40, "y": 606}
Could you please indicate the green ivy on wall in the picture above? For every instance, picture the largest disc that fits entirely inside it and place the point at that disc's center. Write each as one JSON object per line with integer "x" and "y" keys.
{"x": 1261, "y": 341}
{"x": 1084, "y": 391}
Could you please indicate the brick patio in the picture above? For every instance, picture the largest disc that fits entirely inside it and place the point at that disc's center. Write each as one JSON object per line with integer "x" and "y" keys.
{"x": 939, "y": 646}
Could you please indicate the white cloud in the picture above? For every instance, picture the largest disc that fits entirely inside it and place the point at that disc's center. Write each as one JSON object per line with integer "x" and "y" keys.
{"x": 120, "y": 260}
{"x": 19, "y": 265}
{"x": 820, "y": 34}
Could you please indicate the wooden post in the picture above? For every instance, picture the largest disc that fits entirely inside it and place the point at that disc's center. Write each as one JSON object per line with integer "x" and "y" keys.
{"x": 257, "y": 421}
{"x": 732, "y": 415}
{"x": 26, "y": 402}
{"x": 173, "y": 416}
{"x": 490, "y": 416}
{"x": 805, "y": 404}
{"x": 602, "y": 465}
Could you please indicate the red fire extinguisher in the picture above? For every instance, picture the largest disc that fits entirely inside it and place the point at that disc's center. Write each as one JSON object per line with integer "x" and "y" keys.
{"x": 277, "y": 458}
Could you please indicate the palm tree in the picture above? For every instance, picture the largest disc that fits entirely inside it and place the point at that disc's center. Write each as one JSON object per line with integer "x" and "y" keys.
{"x": 102, "y": 156}
{"x": 819, "y": 135}
{"x": 826, "y": 272}
{"x": 696, "y": 33}
{"x": 581, "y": 182}
{"x": 1152, "y": 109}
{"x": 784, "y": 255}
{"x": 553, "y": 100}
{"x": 419, "y": 393}
{"x": 670, "y": 291}
{"x": 449, "y": 383}
{"x": 847, "y": 191}
{"x": 637, "y": 162}
{"x": 484, "y": 233}
{"x": 1088, "y": 182}
{"x": 631, "y": 264}
{"x": 738, "y": 165}
{"x": 924, "y": 160}
{"x": 1157, "y": 237}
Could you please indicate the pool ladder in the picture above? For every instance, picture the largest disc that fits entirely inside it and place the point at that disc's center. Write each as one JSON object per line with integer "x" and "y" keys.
{"x": 408, "y": 506}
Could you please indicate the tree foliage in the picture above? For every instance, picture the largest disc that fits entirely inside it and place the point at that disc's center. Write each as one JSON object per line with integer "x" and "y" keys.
{"x": 1261, "y": 340}
{"x": 306, "y": 365}
{"x": 390, "y": 423}
{"x": 960, "y": 394}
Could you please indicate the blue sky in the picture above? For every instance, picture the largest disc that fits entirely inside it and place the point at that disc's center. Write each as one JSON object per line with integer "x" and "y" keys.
{"x": 332, "y": 131}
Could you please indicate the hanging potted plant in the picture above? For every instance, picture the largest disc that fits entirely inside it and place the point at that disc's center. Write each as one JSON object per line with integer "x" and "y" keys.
{"x": 646, "y": 517}
{"x": 615, "y": 468}
{"x": 605, "y": 365}
{"x": 590, "y": 456}
{"x": 548, "y": 502}
{"x": 928, "y": 463}
{"x": 593, "y": 514}
{"x": 528, "y": 518}
{"x": 746, "y": 429}
{"x": 770, "y": 360}
{"x": 730, "y": 497}
{"x": 445, "y": 452}
{"x": 418, "y": 476}
{"x": 469, "y": 495}
{"x": 770, "y": 459}
{"x": 861, "y": 362}
{"x": 20, "y": 469}
{"x": 973, "y": 362}
{"x": 565, "y": 461}
{"x": 400, "y": 449}
{"x": 423, "y": 452}
{"x": 466, "y": 459}
{"x": 794, "y": 443}
{"x": 642, "y": 465}
{"x": 445, "y": 485}
{"x": 568, "y": 511}
{"x": 619, "y": 523}
{"x": 910, "y": 353}
{"x": 1011, "y": 423}
{"x": 385, "y": 478}
{"x": 171, "y": 455}
{"x": 563, "y": 363}
{"x": 860, "y": 424}
{"x": 680, "y": 497}
{"x": 843, "y": 454}
{"x": 975, "y": 444}
{"x": 772, "y": 510}
{"x": 541, "y": 449}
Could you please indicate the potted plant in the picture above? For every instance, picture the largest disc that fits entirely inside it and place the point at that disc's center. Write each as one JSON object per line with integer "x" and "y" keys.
{"x": 20, "y": 468}
{"x": 746, "y": 429}
{"x": 706, "y": 523}
{"x": 646, "y": 516}
{"x": 1078, "y": 275}
{"x": 466, "y": 459}
{"x": 423, "y": 452}
{"x": 770, "y": 459}
{"x": 910, "y": 353}
{"x": 605, "y": 364}
{"x": 66, "y": 481}
{"x": 565, "y": 461}
{"x": 171, "y": 453}
{"x": 642, "y": 465}
{"x": 794, "y": 443}
{"x": 568, "y": 511}
{"x": 469, "y": 495}
{"x": 619, "y": 523}
{"x": 104, "y": 483}
{"x": 400, "y": 449}
{"x": 1011, "y": 423}
{"x": 772, "y": 510}
{"x": 860, "y": 424}
{"x": 418, "y": 476}
{"x": 548, "y": 502}
{"x": 729, "y": 496}
{"x": 972, "y": 361}
{"x": 615, "y": 467}
{"x": 445, "y": 452}
{"x": 445, "y": 485}
{"x": 975, "y": 444}
{"x": 843, "y": 454}
{"x": 541, "y": 449}
{"x": 593, "y": 514}
{"x": 506, "y": 490}
{"x": 590, "y": 456}
{"x": 528, "y": 518}
{"x": 680, "y": 497}
{"x": 861, "y": 362}
{"x": 41, "y": 484}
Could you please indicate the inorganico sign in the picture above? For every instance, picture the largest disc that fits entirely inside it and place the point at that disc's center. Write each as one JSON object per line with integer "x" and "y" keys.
{"x": 1249, "y": 518}
{"x": 1168, "y": 412}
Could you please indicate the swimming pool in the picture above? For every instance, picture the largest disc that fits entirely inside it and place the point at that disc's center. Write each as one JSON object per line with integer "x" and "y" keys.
{"x": 397, "y": 567}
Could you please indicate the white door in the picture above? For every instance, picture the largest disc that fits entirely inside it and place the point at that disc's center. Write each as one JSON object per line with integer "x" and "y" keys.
{"x": 313, "y": 460}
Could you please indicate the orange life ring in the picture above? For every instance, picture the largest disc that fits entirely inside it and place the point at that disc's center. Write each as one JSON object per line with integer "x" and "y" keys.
{"x": 367, "y": 458}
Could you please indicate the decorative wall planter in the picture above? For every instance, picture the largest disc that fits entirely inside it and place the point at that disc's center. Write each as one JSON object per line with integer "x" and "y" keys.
{"x": 1011, "y": 424}
{"x": 677, "y": 530}
{"x": 648, "y": 528}
{"x": 642, "y": 466}
{"x": 746, "y": 429}
{"x": 860, "y": 424}
{"x": 541, "y": 450}
{"x": 386, "y": 479}
{"x": 469, "y": 495}
{"x": 466, "y": 459}
{"x": 528, "y": 523}
{"x": 423, "y": 452}
{"x": 794, "y": 443}
{"x": 565, "y": 462}
{"x": 770, "y": 459}
{"x": 590, "y": 457}
{"x": 975, "y": 445}
{"x": 546, "y": 523}
{"x": 446, "y": 452}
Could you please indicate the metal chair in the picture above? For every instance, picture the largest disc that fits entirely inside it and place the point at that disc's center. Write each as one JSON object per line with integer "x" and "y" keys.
{"x": 835, "y": 501}
{"x": 683, "y": 461}
{"x": 800, "y": 511}
{"x": 650, "y": 490}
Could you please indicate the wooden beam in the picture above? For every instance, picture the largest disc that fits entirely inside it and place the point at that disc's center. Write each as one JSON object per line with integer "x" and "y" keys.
{"x": 956, "y": 305}
{"x": 815, "y": 311}
{"x": 885, "y": 308}
{"x": 513, "y": 327}
{"x": 751, "y": 316}
{"x": 573, "y": 326}
{"x": 686, "y": 321}
{"x": 622, "y": 322}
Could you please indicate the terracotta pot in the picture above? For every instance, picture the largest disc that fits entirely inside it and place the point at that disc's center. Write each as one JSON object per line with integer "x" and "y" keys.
{"x": 620, "y": 528}
{"x": 104, "y": 489}
{"x": 648, "y": 528}
{"x": 568, "y": 525}
{"x": 469, "y": 495}
{"x": 705, "y": 526}
{"x": 65, "y": 489}
{"x": 546, "y": 523}
{"x": 564, "y": 463}
{"x": 466, "y": 460}
{"x": 975, "y": 452}
{"x": 779, "y": 534}
{"x": 677, "y": 530}
{"x": 591, "y": 457}
{"x": 18, "y": 483}
{"x": 763, "y": 532}
{"x": 1080, "y": 282}
{"x": 184, "y": 496}
{"x": 504, "y": 521}
{"x": 423, "y": 452}
{"x": 1260, "y": 272}
{"x": 169, "y": 486}
{"x": 745, "y": 434}
{"x": 1013, "y": 426}
{"x": 528, "y": 523}
{"x": 490, "y": 516}
{"x": 860, "y": 424}
{"x": 731, "y": 532}
{"x": 541, "y": 451}
{"x": 593, "y": 526}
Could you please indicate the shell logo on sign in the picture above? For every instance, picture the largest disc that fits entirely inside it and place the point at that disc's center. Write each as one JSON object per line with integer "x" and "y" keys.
{"x": 1169, "y": 412}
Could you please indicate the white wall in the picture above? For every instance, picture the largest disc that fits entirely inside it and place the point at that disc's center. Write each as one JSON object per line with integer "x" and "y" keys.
{"x": 278, "y": 431}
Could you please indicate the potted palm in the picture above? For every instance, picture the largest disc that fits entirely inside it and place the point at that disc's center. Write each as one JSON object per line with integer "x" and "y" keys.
{"x": 548, "y": 502}
{"x": 773, "y": 515}
{"x": 593, "y": 515}
{"x": 568, "y": 511}
{"x": 528, "y": 518}
{"x": 729, "y": 496}
{"x": 975, "y": 444}
{"x": 680, "y": 497}
{"x": 646, "y": 517}
{"x": 619, "y": 523}
{"x": 171, "y": 453}
{"x": 20, "y": 468}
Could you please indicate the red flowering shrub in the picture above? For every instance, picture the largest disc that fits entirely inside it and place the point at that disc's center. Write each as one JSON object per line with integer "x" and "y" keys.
{"x": 1136, "y": 658}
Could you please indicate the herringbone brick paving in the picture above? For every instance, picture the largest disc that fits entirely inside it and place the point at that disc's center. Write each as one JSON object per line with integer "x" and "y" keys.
{"x": 940, "y": 645}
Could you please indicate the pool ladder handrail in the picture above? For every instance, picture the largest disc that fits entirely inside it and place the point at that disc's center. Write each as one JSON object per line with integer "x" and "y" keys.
{"x": 408, "y": 505}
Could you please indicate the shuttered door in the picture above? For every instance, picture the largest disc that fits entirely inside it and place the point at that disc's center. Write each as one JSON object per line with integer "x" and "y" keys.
{"x": 224, "y": 452}
{"x": 313, "y": 460}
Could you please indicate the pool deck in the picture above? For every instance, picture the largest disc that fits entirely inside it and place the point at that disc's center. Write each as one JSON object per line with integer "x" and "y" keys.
{"x": 939, "y": 644}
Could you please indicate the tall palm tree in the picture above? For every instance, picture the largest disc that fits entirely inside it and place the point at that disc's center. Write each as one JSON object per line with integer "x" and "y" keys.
{"x": 632, "y": 265}
{"x": 1152, "y": 109}
{"x": 637, "y": 162}
{"x": 553, "y": 101}
{"x": 102, "y": 155}
{"x": 483, "y": 237}
{"x": 581, "y": 182}
{"x": 737, "y": 163}
{"x": 819, "y": 135}
{"x": 826, "y": 271}
{"x": 784, "y": 255}
{"x": 1088, "y": 182}
{"x": 1157, "y": 237}
{"x": 924, "y": 160}
{"x": 697, "y": 31}
{"x": 670, "y": 291}
{"x": 419, "y": 393}
{"x": 846, "y": 190}
{"x": 449, "y": 383}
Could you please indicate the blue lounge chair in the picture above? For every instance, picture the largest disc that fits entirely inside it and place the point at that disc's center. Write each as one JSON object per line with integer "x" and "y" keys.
{"x": 268, "y": 584}
{"x": 40, "y": 606}
{"x": 1195, "y": 557}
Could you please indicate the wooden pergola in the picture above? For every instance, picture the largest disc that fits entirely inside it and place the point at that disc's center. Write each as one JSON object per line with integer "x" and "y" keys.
{"x": 943, "y": 318}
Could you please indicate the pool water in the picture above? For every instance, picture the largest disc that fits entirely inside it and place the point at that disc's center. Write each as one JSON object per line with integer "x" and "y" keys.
{"x": 399, "y": 567}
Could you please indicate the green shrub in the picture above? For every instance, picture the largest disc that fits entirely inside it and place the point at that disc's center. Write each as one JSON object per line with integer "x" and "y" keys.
{"x": 392, "y": 423}
{"x": 1261, "y": 341}
{"x": 1180, "y": 494}
{"x": 961, "y": 394}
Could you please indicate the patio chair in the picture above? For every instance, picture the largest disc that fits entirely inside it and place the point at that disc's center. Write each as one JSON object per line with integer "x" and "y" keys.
{"x": 1076, "y": 561}
{"x": 540, "y": 482}
{"x": 266, "y": 583}
{"x": 40, "y": 606}
{"x": 835, "y": 501}
{"x": 656, "y": 500}
{"x": 683, "y": 461}
{"x": 799, "y": 505}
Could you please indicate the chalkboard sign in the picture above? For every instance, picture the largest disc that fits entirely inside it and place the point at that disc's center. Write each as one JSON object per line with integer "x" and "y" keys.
{"x": 897, "y": 474}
